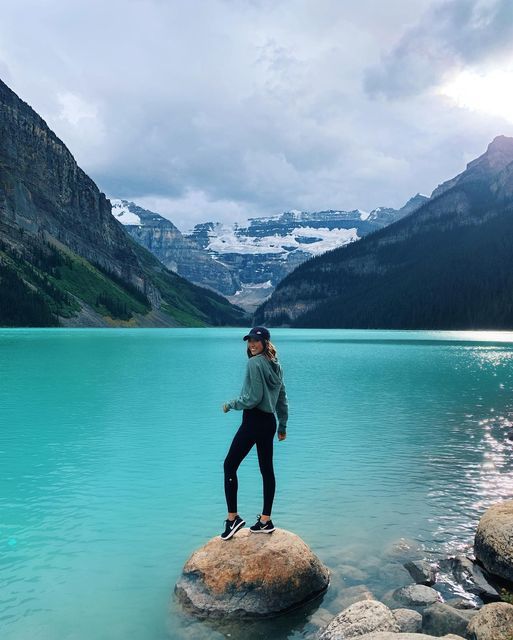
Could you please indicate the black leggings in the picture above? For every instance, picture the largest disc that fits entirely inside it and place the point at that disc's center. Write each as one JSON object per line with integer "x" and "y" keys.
{"x": 258, "y": 427}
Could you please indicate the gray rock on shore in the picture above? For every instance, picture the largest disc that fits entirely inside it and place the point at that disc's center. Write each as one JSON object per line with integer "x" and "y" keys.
{"x": 408, "y": 620}
{"x": 358, "y": 619}
{"x": 493, "y": 622}
{"x": 251, "y": 576}
{"x": 493, "y": 540}
{"x": 440, "y": 618}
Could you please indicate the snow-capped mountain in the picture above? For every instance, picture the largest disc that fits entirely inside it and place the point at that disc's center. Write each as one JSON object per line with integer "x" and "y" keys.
{"x": 172, "y": 248}
{"x": 245, "y": 263}
{"x": 129, "y": 213}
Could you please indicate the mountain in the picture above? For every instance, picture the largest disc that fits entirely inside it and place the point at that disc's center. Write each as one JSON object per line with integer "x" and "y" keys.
{"x": 64, "y": 259}
{"x": 176, "y": 251}
{"x": 245, "y": 263}
{"x": 446, "y": 265}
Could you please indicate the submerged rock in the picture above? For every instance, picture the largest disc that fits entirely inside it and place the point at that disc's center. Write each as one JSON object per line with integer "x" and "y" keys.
{"x": 251, "y": 576}
{"x": 492, "y": 544}
{"x": 349, "y": 596}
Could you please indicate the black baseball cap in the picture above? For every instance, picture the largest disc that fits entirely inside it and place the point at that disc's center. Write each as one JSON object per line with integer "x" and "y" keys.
{"x": 259, "y": 333}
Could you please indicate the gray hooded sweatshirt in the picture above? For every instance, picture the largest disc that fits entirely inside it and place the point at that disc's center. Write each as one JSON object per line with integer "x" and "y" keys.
{"x": 264, "y": 389}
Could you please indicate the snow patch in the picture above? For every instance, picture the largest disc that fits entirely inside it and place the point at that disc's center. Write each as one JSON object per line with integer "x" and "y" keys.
{"x": 249, "y": 286}
{"x": 122, "y": 213}
{"x": 328, "y": 238}
{"x": 223, "y": 239}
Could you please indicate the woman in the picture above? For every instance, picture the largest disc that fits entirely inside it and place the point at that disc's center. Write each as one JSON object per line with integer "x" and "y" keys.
{"x": 262, "y": 394}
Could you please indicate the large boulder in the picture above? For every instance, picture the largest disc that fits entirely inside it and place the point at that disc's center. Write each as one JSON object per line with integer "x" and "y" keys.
{"x": 493, "y": 540}
{"x": 492, "y": 622}
{"x": 358, "y": 619}
{"x": 251, "y": 576}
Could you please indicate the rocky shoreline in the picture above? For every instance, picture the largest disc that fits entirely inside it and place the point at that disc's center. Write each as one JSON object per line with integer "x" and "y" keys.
{"x": 270, "y": 575}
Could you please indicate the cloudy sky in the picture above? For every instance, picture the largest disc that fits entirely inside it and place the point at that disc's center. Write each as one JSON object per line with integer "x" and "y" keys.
{"x": 227, "y": 109}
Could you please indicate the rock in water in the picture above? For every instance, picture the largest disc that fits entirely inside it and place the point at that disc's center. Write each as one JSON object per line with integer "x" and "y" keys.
{"x": 422, "y": 571}
{"x": 472, "y": 578}
{"x": 251, "y": 576}
{"x": 492, "y": 544}
{"x": 416, "y": 595}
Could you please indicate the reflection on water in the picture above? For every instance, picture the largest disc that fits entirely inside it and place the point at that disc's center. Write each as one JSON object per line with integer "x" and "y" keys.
{"x": 479, "y": 481}
{"x": 111, "y": 472}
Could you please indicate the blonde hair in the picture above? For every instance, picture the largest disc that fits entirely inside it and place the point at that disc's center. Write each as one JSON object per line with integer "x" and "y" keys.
{"x": 270, "y": 351}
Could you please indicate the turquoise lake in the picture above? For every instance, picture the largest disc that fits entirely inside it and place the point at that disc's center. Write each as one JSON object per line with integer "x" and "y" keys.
{"x": 111, "y": 450}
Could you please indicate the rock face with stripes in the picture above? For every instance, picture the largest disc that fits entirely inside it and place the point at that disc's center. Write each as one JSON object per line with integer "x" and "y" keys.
{"x": 251, "y": 576}
{"x": 64, "y": 259}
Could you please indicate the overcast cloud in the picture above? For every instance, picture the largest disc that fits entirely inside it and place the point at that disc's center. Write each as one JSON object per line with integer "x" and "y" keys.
{"x": 227, "y": 109}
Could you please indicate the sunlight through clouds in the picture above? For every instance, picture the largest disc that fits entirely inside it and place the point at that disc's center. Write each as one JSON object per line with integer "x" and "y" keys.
{"x": 490, "y": 93}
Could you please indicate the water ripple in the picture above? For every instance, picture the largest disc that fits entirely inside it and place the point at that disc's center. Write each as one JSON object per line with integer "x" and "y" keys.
{"x": 111, "y": 473}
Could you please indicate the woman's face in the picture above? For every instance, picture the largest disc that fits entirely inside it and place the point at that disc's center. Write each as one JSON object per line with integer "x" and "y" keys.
{"x": 255, "y": 346}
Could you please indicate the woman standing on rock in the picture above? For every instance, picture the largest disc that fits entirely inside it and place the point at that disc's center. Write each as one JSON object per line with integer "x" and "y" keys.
{"x": 262, "y": 394}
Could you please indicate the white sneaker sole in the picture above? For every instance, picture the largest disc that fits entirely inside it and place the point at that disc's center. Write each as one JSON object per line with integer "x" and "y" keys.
{"x": 234, "y": 531}
{"x": 263, "y": 531}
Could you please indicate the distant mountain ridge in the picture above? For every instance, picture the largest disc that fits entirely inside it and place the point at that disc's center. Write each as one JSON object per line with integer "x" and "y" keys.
{"x": 64, "y": 259}
{"x": 447, "y": 265}
{"x": 245, "y": 263}
{"x": 175, "y": 250}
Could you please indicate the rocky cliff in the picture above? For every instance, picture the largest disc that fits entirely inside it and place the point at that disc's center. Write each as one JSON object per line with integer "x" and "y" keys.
{"x": 175, "y": 250}
{"x": 63, "y": 252}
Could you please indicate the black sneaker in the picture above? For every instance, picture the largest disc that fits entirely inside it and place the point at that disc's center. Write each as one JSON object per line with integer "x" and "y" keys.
{"x": 261, "y": 527}
{"x": 232, "y": 526}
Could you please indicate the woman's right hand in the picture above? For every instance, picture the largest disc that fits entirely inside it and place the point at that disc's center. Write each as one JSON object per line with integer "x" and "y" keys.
{"x": 226, "y": 408}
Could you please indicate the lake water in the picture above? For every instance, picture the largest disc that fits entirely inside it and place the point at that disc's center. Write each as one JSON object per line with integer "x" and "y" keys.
{"x": 111, "y": 450}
